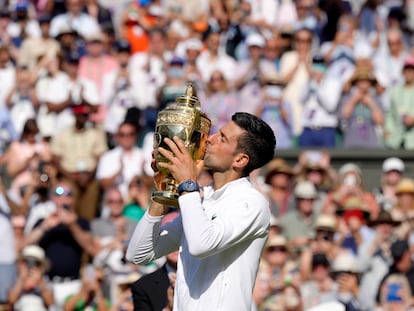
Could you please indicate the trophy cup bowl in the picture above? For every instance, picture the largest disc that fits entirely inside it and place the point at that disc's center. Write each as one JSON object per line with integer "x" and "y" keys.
{"x": 185, "y": 120}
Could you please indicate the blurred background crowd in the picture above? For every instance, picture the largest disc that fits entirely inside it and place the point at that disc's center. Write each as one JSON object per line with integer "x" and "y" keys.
{"x": 82, "y": 82}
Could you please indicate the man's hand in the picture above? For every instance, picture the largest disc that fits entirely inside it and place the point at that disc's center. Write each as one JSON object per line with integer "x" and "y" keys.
{"x": 181, "y": 164}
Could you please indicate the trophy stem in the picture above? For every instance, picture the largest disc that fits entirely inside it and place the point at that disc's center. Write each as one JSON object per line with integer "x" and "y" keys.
{"x": 169, "y": 196}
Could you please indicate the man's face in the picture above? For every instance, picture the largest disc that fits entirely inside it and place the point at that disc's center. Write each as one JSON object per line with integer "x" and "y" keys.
{"x": 409, "y": 74}
{"x": 126, "y": 136}
{"x": 221, "y": 148}
{"x": 74, "y": 6}
{"x": 115, "y": 203}
{"x": 63, "y": 196}
{"x": 305, "y": 205}
{"x": 213, "y": 42}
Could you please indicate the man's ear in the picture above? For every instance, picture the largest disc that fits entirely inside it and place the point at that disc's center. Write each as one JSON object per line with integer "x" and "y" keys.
{"x": 241, "y": 160}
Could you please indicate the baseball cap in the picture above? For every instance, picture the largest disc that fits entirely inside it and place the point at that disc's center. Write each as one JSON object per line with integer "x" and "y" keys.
{"x": 44, "y": 18}
{"x": 393, "y": 164}
{"x": 255, "y": 39}
{"x": 193, "y": 44}
{"x": 320, "y": 259}
{"x": 123, "y": 46}
{"x": 176, "y": 60}
{"x": 409, "y": 62}
{"x": 80, "y": 109}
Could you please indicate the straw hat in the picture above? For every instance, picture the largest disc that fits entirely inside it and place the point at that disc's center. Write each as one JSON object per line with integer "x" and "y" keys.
{"x": 353, "y": 203}
{"x": 325, "y": 222}
{"x": 276, "y": 240}
{"x": 363, "y": 73}
{"x": 272, "y": 78}
{"x": 384, "y": 217}
{"x": 277, "y": 166}
{"x": 406, "y": 185}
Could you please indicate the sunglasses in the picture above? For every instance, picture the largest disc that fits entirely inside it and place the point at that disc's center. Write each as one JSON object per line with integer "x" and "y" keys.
{"x": 126, "y": 134}
{"x": 60, "y": 191}
{"x": 115, "y": 201}
{"x": 276, "y": 249}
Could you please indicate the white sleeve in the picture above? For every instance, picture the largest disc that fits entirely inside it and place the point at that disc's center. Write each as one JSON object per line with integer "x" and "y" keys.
{"x": 205, "y": 237}
{"x": 151, "y": 241}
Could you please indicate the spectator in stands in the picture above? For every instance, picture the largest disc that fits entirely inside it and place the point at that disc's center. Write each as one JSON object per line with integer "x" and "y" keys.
{"x": 273, "y": 51}
{"x": 90, "y": 295}
{"x": 320, "y": 287}
{"x": 98, "y": 12}
{"x": 193, "y": 48}
{"x": 250, "y": 72}
{"x": 279, "y": 177}
{"x": 54, "y": 113}
{"x": 76, "y": 152}
{"x": 31, "y": 290}
{"x": 213, "y": 59}
{"x": 399, "y": 121}
{"x": 395, "y": 288}
{"x": 275, "y": 110}
{"x": 320, "y": 120}
{"x": 118, "y": 166}
{"x": 7, "y": 74}
{"x": 219, "y": 101}
{"x": 83, "y": 23}
{"x": 392, "y": 171}
{"x": 94, "y": 66}
{"x": 63, "y": 234}
{"x": 295, "y": 71}
{"x": 7, "y": 131}
{"x": 361, "y": 111}
{"x": 139, "y": 197}
{"x": 22, "y": 100}
{"x": 404, "y": 206}
{"x": 70, "y": 41}
{"x": 298, "y": 223}
{"x": 350, "y": 184}
{"x": 374, "y": 257}
{"x": 35, "y": 47}
{"x": 352, "y": 225}
{"x": 23, "y": 156}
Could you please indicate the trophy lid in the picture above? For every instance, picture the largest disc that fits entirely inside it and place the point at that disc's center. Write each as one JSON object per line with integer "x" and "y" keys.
{"x": 189, "y": 98}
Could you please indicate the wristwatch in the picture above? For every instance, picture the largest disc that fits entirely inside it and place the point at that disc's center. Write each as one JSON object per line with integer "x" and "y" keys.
{"x": 188, "y": 186}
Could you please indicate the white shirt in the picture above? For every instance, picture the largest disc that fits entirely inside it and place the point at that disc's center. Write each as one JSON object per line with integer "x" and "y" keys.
{"x": 7, "y": 79}
{"x": 7, "y": 246}
{"x": 110, "y": 164}
{"x": 206, "y": 65}
{"x": 220, "y": 242}
{"x": 84, "y": 24}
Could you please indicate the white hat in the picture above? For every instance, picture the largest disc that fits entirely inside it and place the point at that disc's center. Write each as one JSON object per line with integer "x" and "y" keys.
{"x": 345, "y": 262}
{"x": 305, "y": 190}
{"x": 393, "y": 164}
{"x": 255, "y": 39}
{"x": 329, "y": 306}
{"x": 34, "y": 251}
{"x": 193, "y": 44}
{"x": 325, "y": 222}
{"x": 350, "y": 168}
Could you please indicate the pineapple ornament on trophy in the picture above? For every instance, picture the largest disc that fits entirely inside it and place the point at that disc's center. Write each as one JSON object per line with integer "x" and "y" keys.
{"x": 183, "y": 119}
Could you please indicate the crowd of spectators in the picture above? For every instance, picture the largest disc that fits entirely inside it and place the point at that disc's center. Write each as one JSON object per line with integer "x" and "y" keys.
{"x": 82, "y": 82}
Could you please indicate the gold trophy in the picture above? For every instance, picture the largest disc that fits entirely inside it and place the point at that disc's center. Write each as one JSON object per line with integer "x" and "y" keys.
{"x": 185, "y": 120}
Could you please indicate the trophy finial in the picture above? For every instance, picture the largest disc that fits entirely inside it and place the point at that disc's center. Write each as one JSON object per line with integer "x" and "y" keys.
{"x": 189, "y": 92}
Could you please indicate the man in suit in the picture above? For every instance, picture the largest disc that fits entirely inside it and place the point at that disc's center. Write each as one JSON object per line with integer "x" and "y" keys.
{"x": 149, "y": 293}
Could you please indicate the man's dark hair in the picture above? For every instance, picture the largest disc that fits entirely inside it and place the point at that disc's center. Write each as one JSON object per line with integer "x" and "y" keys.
{"x": 258, "y": 142}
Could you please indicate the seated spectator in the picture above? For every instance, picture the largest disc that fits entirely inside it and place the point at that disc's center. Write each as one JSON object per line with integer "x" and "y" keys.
{"x": 361, "y": 111}
{"x": 7, "y": 72}
{"x": 22, "y": 100}
{"x": 63, "y": 235}
{"x": 22, "y": 158}
{"x": 118, "y": 166}
{"x": 322, "y": 242}
{"x": 219, "y": 101}
{"x": 346, "y": 274}
{"x": 275, "y": 110}
{"x": 352, "y": 227}
{"x": 278, "y": 176}
{"x": 320, "y": 287}
{"x": 89, "y": 296}
{"x": 31, "y": 290}
{"x": 83, "y": 23}
{"x": 138, "y": 199}
{"x": 392, "y": 171}
{"x": 404, "y": 206}
{"x": 351, "y": 184}
{"x": 399, "y": 121}
{"x": 395, "y": 288}
{"x": 7, "y": 131}
{"x": 76, "y": 151}
{"x": 34, "y": 48}
{"x": 374, "y": 257}
{"x": 298, "y": 223}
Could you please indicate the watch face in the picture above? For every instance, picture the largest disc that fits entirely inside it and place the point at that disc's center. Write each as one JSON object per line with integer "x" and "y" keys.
{"x": 188, "y": 186}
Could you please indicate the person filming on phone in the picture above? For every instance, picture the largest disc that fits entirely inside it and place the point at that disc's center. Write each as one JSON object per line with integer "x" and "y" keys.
{"x": 222, "y": 229}
{"x": 64, "y": 237}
